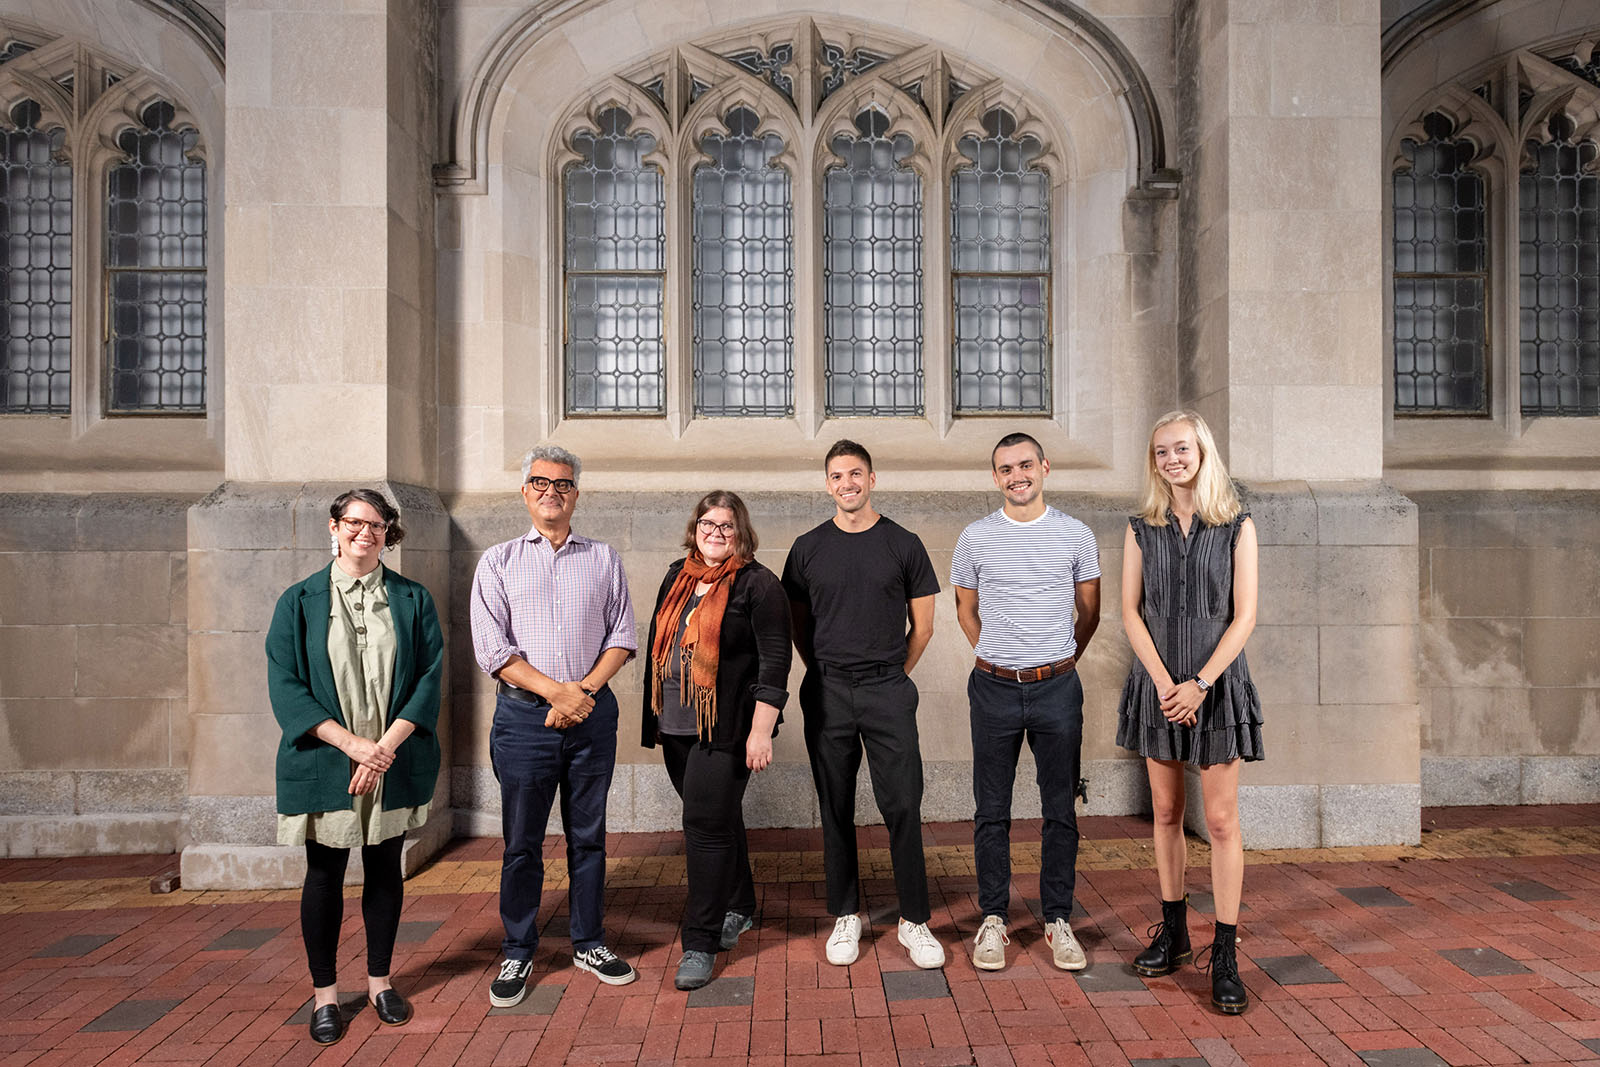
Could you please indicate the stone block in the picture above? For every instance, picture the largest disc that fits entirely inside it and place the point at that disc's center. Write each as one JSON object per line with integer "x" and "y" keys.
{"x": 236, "y": 590}
{"x": 1280, "y": 816}
{"x": 1468, "y": 721}
{"x": 1289, "y": 593}
{"x": 89, "y": 835}
{"x": 1367, "y": 664}
{"x": 1566, "y": 722}
{"x": 475, "y": 788}
{"x": 1366, "y": 584}
{"x": 1562, "y": 651}
{"x": 1371, "y": 814}
{"x": 232, "y": 755}
{"x": 37, "y": 660}
{"x": 227, "y": 673}
{"x": 1557, "y": 520}
{"x": 1376, "y": 744}
{"x": 1282, "y": 661}
{"x": 781, "y": 795}
{"x": 1471, "y": 652}
{"x": 1292, "y": 736}
{"x": 45, "y": 733}
{"x": 38, "y": 522}
{"x": 239, "y": 866}
{"x": 1116, "y": 787}
{"x": 219, "y": 819}
{"x": 38, "y": 792}
{"x": 422, "y": 845}
{"x": 84, "y": 587}
{"x": 1478, "y": 520}
{"x": 1285, "y": 513}
{"x": 946, "y": 791}
{"x": 1305, "y": 417}
{"x": 1560, "y": 779}
{"x": 132, "y": 791}
{"x": 1465, "y": 780}
{"x": 656, "y": 805}
{"x": 132, "y": 661}
{"x": 244, "y": 515}
{"x": 1364, "y": 513}
{"x": 118, "y": 522}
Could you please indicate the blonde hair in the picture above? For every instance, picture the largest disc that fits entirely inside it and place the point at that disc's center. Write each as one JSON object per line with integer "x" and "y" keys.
{"x": 1214, "y": 497}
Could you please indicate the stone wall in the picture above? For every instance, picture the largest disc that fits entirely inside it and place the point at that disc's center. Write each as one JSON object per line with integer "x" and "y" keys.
{"x": 1510, "y": 673}
{"x": 93, "y": 679}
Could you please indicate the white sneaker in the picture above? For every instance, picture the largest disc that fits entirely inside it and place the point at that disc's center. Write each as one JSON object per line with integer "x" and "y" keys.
{"x": 1064, "y": 947}
{"x": 989, "y": 954}
{"x": 844, "y": 944}
{"x": 921, "y": 945}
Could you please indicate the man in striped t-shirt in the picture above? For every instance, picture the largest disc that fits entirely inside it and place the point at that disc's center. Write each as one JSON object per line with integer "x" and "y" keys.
{"x": 1027, "y": 580}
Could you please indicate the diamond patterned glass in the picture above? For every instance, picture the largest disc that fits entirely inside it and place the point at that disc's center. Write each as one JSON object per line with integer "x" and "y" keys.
{"x": 36, "y": 268}
{"x": 1440, "y": 284}
{"x": 743, "y": 274}
{"x": 1560, "y": 277}
{"x": 1000, "y": 264}
{"x": 615, "y": 261}
{"x": 872, "y": 274}
{"x": 156, "y": 263}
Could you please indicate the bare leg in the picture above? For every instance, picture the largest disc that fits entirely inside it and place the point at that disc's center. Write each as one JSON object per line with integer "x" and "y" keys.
{"x": 1219, "y": 784}
{"x": 1166, "y": 801}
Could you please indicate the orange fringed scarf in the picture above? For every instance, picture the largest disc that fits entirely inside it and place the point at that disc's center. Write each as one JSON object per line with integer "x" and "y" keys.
{"x": 701, "y": 637}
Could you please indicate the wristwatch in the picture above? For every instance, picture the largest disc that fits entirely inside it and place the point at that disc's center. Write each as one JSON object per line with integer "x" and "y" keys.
{"x": 1205, "y": 686}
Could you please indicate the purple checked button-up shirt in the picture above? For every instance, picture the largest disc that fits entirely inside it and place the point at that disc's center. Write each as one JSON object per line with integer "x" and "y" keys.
{"x": 557, "y": 610}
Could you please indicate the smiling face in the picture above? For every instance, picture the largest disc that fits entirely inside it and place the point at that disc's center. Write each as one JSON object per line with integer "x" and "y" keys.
{"x": 716, "y": 535}
{"x": 360, "y": 544}
{"x": 1175, "y": 453}
{"x": 1019, "y": 473}
{"x": 550, "y": 510}
{"x": 850, "y": 483}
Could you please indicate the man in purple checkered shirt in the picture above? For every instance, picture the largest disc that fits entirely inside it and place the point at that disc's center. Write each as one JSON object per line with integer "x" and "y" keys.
{"x": 552, "y": 622}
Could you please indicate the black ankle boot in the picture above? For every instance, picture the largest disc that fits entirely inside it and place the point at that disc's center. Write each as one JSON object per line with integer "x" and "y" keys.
{"x": 1227, "y": 991}
{"x": 1169, "y": 946}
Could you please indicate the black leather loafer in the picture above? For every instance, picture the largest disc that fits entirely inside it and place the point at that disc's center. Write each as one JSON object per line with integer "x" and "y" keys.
{"x": 327, "y": 1025}
{"x": 393, "y": 1009}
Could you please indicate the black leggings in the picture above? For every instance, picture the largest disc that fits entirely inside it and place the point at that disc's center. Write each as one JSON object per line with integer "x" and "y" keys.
{"x": 712, "y": 785}
{"x": 322, "y": 905}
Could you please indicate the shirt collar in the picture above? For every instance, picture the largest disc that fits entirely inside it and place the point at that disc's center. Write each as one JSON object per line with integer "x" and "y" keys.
{"x": 533, "y": 536}
{"x": 371, "y": 582}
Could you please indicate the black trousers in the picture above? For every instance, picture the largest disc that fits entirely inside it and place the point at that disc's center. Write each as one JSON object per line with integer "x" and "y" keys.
{"x": 322, "y": 905}
{"x": 876, "y": 710}
{"x": 712, "y": 785}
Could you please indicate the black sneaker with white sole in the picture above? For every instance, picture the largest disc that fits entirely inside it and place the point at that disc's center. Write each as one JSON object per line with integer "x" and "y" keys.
{"x": 509, "y": 987}
{"x": 604, "y": 965}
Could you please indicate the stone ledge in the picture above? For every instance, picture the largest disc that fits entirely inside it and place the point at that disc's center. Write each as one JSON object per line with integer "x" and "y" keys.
{"x": 234, "y": 866}
{"x": 1457, "y": 780}
{"x": 128, "y": 833}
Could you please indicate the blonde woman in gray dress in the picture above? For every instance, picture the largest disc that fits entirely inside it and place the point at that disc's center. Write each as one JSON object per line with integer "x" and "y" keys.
{"x": 1189, "y": 604}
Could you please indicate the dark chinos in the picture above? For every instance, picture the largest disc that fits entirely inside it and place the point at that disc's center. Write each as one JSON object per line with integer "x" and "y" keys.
{"x": 873, "y": 707}
{"x": 532, "y": 760}
{"x": 1049, "y": 714}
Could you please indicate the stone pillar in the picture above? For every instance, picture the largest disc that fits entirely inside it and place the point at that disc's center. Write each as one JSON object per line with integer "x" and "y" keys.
{"x": 1281, "y": 314}
{"x": 329, "y": 318}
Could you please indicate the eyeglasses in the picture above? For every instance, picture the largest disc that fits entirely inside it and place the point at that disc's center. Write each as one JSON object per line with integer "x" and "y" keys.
{"x": 355, "y": 526}
{"x": 708, "y": 527}
{"x": 562, "y": 486}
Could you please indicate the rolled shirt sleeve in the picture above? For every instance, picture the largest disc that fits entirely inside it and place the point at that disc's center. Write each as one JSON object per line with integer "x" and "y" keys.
{"x": 492, "y": 644}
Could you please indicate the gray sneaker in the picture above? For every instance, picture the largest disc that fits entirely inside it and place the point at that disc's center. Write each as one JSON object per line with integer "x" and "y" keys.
{"x": 734, "y": 924}
{"x": 694, "y": 970}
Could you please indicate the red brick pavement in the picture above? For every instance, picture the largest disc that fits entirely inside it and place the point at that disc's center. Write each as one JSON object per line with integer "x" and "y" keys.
{"x": 216, "y": 981}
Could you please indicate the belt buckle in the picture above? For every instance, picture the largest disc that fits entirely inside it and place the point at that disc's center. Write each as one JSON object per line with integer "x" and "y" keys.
{"x": 1018, "y": 671}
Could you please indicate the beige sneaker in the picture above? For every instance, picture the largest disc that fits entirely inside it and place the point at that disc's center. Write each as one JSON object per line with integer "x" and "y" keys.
{"x": 921, "y": 945}
{"x": 1064, "y": 948}
{"x": 844, "y": 944}
{"x": 989, "y": 952}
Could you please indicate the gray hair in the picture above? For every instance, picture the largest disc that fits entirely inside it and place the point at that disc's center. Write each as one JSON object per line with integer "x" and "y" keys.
{"x": 551, "y": 454}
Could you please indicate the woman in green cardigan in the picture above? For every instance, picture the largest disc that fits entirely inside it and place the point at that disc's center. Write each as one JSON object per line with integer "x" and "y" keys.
{"x": 354, "y": 657}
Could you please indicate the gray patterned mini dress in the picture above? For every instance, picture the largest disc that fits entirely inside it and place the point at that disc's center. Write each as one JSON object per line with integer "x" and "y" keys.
{"x": 1187, "y": 604}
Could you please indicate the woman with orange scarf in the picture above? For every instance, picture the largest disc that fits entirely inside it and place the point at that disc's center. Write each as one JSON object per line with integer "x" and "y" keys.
{"x": 713, "y": 696}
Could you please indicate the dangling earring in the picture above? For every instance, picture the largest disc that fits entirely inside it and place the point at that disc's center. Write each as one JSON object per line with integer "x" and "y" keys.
{"x": 333, "y": 544}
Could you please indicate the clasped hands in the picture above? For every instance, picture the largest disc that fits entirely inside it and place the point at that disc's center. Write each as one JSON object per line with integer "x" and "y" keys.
{"x": 371, "y": 760}
{"x": 572, "y": 703}
{"x": 1180, "y": 703}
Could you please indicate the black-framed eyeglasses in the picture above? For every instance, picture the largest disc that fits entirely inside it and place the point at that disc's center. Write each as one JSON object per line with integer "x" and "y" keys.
{"x": 562, "y": 486}
{"x": 355, "y": 526}
{"x": 708, "y": 527}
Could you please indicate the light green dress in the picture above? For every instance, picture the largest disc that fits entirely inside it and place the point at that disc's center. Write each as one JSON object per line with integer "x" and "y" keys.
{"x": 361, "y": 646}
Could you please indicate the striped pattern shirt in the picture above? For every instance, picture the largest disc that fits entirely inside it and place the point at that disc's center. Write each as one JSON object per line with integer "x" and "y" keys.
{"x": 1026, "y": 574}
{"x": 557, "y": 610}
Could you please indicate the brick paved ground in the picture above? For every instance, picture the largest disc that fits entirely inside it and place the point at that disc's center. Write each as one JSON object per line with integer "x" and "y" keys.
{"x": 1482, "y": 946}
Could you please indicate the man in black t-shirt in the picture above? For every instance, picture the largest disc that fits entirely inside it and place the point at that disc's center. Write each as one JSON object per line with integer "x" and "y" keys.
{"x": 853, "y": 584}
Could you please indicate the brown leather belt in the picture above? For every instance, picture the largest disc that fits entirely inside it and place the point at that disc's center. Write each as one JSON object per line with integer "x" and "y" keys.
{"x": 1029, "y": 674}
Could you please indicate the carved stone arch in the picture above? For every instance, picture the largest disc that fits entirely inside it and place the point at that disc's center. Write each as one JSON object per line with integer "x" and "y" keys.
{"x": 708, "y": 113}
{"x": 838, "y": 114}
{"x": 1556, "y": 91}
{"x": 1475, "y": 121}
{"x": 55, "y": 106}
{"x": 647, "y": 112}
{"x": 123, "y": 105}
{"x": 967, "y": 118}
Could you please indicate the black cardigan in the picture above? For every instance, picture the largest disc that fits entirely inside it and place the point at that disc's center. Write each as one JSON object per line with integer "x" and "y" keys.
{"x": 753, "y": 657}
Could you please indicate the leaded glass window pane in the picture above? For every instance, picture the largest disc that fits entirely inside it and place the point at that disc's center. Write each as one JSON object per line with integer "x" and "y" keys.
{"x": 1000, "y": 261}
{"x": 1560, "y": 277}
{"x": 743, "y": 274}
{"x": 872, "y": 249}
{"x": 615, "y": 260}
{"x": 1440, "y": 280}
{"x": 156, "y": 259}
{"x": 36, "y": 267}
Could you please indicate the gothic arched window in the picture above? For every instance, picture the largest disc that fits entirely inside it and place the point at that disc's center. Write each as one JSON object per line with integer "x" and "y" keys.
{"x": 36, "y": 267}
